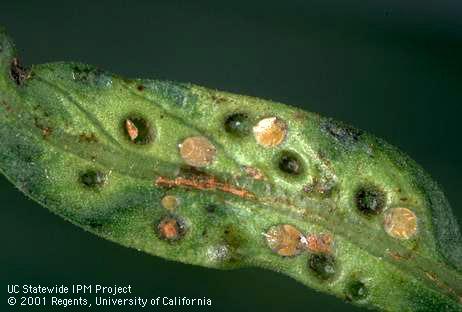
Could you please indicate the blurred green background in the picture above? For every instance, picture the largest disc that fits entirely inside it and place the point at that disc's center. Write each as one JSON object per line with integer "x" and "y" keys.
{"x": 393, "y": 68}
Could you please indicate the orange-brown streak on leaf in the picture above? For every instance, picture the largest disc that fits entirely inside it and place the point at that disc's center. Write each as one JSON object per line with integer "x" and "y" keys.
{"x": 204, "y": 183}
{"x": 397, "y": 256}
{"x": 432, "y": 276}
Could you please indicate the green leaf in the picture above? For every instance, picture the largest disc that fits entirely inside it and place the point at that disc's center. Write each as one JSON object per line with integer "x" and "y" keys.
{"x": 225, "y": 181}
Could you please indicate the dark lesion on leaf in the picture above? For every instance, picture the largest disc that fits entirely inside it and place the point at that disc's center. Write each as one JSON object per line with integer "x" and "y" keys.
{"x": 290, "y": 163}
{"x": 323, "y": 265}
{"x": 356, "y": 290}
{"x": 88, "y": 137}
{"x": 237, "y": 124}
{"x": 211, "y": 208}
{"x": 234, "y": 240}
{"x": 370, "y": 199}
{"x": 45, "y": 129}
{"x": 192, "y": 172}
{"x": 6, "y": 106}
{"x": 218, "y": 98}
{"x": 93, "y": 223}
{"x": 341, "y": 132}
{"x": 18, "y": 73}
{"x": 92, "y": 178}
{"x": 321, "y": 186}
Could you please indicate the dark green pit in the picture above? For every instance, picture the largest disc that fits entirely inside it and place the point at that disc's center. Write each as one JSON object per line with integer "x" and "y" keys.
{"x": 211, "y": 208}
{"x": 237, "y": 124}
{"x": 370, "y": 200}
{"x": 341, "y": 132}
{"x": 93, "y": 223}
{"x": 356, "y": 290}
{"x": 290, "y": 163}
{"x": 322, "y": 265}
{"x": 144, "y": 131}
{"x": 92, "y": 178}
{"x": 234, "y": 240}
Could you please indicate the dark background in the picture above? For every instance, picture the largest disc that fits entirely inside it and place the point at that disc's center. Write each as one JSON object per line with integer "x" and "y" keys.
{"x": 389, "y": 67}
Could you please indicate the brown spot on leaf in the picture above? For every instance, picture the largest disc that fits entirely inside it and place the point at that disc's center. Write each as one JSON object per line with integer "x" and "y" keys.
{"x": 398, "y": 257}
{"x": 7, "y": 106}
{"x": 321, "y": 186}
{"x": 321, "y": 243}
{"x": 254, "y": 173}
{"x": 171, "y": 228}
{"x": 300, "y": 115}
{"x": 434, "y": 278}
{"x": 197, "y": 151}
{"x": 218, "y": 98}
{"x": 46, "y": 130}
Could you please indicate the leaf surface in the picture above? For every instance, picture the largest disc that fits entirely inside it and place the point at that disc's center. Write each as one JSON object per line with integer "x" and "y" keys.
{"x": 225, "y": 181}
